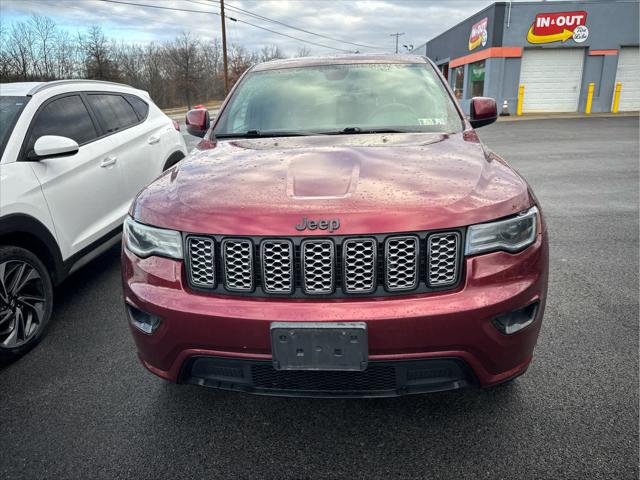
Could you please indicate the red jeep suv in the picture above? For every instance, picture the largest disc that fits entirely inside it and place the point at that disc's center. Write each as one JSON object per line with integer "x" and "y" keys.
{"x": 339, "y": 231}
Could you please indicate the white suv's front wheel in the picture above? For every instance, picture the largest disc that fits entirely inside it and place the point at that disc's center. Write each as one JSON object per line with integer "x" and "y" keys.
{"x": 26, "y": 301}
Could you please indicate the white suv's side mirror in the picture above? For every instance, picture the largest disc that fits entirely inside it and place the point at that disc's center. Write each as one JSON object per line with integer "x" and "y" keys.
{"x": 49, "y": 146}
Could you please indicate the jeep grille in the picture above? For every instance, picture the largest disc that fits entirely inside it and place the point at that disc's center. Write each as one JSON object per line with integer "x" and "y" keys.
{"x": 332, "y": 266}
{"x": 202, "y": 261}
{"x": 277, "y": 266}
{"x": 318, "y": 267}
{"x": 359, "y": 265}
{"x": 237, "y": 261}
{"x": 443, "y": 261}
{"x": 402, "y": 258}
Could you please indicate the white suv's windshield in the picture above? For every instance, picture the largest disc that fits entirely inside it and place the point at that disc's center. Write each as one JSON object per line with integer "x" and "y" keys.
{"x": 354, "y": 98}
{"x": 10, "y": 108}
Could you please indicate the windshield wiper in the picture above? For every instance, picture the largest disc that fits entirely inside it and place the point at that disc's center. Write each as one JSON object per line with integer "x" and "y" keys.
{"x": 294, "y": 133}
{"x": 259, "y": 134}
{"x": 360, "y": 130}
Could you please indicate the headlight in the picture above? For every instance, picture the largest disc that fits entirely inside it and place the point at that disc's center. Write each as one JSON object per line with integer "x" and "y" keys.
{"x": 145, "y": 241}
{"x": 511, "y": 235}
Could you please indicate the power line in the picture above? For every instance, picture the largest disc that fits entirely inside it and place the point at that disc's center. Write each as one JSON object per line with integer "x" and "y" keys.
{"x": 84, "y": 9}
{"x": 261, "y": 17}
{"x": 158, "y": 6}
{"x": 290, "y": 36}
{"x": 230, "y": 18}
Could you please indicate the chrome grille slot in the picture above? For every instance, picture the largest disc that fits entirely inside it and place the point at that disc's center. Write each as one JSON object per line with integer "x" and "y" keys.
{"x": 237, "y": 261}
{"x": 277, "y": 266}
{"x": 201, "y": 261}
{"x": 318, "y": 267}
{"x": 442, "y": 261}
{"x": 401, "y": 257}
{"x": 359, "y": 265}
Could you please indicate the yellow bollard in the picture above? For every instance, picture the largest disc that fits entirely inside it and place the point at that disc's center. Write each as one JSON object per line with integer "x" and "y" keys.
{"x": 616, "y": 98}
{"x": 587, "y": 109}
{"x": 520, "y": 100}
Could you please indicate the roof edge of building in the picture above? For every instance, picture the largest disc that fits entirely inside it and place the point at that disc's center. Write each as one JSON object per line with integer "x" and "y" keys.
{"x": 488, "y": 7}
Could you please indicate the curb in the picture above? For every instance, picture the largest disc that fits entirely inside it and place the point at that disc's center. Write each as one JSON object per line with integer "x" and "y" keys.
{"x": 179, "y": 113}
{"x": 554, "y": 116}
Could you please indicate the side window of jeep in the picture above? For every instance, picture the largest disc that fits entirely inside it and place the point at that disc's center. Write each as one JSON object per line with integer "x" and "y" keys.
{"x": 64, "y": 117}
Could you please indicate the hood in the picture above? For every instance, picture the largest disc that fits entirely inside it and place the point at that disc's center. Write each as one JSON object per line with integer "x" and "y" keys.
{"x": 370, "y": 183}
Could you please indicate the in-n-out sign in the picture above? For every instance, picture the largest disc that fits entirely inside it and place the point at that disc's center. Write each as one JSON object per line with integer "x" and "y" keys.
{"x": 545, "y": 20}
{"x": 558, "y": 27}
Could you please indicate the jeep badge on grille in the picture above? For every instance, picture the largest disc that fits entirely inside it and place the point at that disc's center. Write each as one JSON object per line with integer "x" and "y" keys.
{"x": 331, "y": 225}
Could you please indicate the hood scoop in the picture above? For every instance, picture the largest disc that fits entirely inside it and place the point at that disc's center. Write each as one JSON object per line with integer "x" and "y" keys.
{"x": 323, "y": 175}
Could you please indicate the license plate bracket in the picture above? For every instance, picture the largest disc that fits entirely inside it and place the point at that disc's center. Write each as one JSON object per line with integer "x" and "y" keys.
{"x": 336, "y": 346}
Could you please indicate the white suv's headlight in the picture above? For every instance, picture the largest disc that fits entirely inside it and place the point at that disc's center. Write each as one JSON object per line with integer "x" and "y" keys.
{"x": 145, "y": 241}
{"x": 511, "y": 235}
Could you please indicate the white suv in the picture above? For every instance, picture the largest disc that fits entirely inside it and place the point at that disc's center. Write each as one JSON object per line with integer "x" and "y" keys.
{"x": 74, "y": 154}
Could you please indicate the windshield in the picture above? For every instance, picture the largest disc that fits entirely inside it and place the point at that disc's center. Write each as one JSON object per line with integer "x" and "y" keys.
{"x": 10, "y": 108}
{"x": 356, "y": 98}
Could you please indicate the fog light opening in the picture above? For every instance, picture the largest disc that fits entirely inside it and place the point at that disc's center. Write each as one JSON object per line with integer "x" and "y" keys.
{"x": 512, "y": 322}
{"x": 143, "y": 321}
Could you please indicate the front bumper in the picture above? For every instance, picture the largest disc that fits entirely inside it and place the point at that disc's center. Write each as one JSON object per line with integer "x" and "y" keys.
{"x": 380, "y": 379}
{"x": 453, "y": 325}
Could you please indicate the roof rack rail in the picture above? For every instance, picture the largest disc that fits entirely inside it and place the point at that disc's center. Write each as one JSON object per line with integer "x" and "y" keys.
{"x": 55, "y": 83}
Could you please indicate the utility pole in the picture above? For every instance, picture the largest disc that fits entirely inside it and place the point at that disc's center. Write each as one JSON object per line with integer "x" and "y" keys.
{"x": 396, "y": 35}
{"x": 224, "y": 49}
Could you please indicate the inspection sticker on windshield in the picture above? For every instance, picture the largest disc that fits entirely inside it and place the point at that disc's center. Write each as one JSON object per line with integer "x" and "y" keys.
{"x": 432, "y": 121}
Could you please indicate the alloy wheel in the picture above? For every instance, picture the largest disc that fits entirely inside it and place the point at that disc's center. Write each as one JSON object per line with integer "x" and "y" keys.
{"x": 22, "y": 303}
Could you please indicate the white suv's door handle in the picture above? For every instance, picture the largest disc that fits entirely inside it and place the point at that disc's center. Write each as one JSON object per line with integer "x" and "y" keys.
{"x": 153, "y": 139}
{"x": 107, "y": 162}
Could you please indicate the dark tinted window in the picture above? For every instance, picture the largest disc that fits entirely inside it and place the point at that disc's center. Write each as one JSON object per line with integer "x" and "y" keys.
{"x": 10, "y": 108}
{"x": 113, "y": 111}
{"x": 66, "y": 117}
{"x": 139, "y": 106}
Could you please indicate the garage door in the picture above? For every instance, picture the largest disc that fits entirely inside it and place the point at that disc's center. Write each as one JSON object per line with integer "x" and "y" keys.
{"x": 629, "y": 74}
{"x": 551, "y": 79}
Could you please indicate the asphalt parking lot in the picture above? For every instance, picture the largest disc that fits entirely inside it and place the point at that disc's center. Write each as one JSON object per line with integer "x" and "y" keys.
{"x": 81, "y": 406}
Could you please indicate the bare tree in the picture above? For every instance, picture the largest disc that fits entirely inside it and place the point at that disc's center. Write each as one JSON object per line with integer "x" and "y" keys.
{"x": 66, "y": 56}
{"x": 131, "y": 63}
{"x": 270, "y": 52}
{"x": 5, "y": 58}
{"x": 185, "y": 65}
{"x": 240, "y": 61}
{"x": 97, "y": 52}
{"x": 303, "y": 52}
{"x": 45, "y": 36}
{"x": 20, "y": 49}
{"x": 155, "y": 80}
{"x": 186, "y": 70}
{"x": 213, "y": 82}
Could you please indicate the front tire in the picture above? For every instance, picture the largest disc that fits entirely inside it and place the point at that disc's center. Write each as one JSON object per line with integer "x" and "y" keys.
{"x": 26, "y": 301}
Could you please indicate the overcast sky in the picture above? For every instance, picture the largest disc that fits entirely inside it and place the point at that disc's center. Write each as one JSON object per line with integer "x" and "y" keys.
{"x": 367, "y": 22}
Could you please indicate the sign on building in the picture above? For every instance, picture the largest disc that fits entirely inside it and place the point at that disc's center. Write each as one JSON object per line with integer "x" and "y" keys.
{"x": 479, "y": 34}
{"x": 558, "y": 27}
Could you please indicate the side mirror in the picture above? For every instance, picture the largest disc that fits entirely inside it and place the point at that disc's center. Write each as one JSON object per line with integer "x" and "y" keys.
{"x": 51, "y": 146}
{"x": 198, "y": 121}
{"x": 484, "y": 111}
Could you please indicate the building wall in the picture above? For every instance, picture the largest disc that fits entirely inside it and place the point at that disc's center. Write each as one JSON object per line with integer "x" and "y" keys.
{"x": 611, "y": 25}
{"x": 454, "y": 42}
